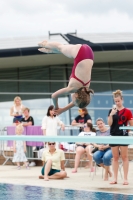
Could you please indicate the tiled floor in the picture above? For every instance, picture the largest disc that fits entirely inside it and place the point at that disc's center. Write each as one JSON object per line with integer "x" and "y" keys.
{"x": 81, "y": 180}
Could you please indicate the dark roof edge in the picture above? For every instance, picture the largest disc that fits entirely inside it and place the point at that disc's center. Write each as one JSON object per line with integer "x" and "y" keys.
{"x": 27, "y": 51}
{"x": 118, "y": 46}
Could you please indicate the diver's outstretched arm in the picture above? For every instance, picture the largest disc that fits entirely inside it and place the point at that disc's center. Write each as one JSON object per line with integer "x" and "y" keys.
{"x": 61, "y": 110}
{"x": 60, "y": 92}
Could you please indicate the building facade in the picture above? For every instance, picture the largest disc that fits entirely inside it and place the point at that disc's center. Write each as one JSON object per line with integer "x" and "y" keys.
{"x": 34, "y": 76}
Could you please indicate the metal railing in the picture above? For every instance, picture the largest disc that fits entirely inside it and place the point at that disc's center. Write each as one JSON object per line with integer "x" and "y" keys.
{"x": 32, "y": 154}
{"x": 7, "y": 150}
{"x": 0, "y": 142}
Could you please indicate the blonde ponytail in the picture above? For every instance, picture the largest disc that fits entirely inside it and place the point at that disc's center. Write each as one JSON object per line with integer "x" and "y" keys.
{"x": 117, "y": 93}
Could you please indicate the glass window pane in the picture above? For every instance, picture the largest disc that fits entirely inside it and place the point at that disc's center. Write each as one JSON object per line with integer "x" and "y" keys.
{"x": 56, "y": 86}
{"x": 34, "y": 73}
{"x": 33, "y": 87}
{"x": 58, "y": 73}
{"x": 100, "y": 72}
{"x": 8, "y": 86}
{"x": 126, "y": 88}
{"x": 122, "y": 76}
{"x": 122, "y": 65}
{"x": 100, "y": 87}
{"x": 9, "y": 73}
{"x": 38, "y": 108}
{"x": 128, "y": 101}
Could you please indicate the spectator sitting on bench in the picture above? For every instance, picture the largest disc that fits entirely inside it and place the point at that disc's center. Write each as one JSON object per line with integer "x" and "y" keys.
{"x": 84, "y": 147}
{"x": 103, "y": 153}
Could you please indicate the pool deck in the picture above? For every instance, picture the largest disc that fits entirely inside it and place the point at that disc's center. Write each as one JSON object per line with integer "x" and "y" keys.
{"x": 79, "y": 181}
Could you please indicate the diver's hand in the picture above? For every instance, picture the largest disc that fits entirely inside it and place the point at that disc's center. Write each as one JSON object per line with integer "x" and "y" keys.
{"x": 59, "y": 111}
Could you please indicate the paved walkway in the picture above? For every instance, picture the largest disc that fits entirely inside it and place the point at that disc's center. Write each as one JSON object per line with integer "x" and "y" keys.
{"x": 80, "y": 181}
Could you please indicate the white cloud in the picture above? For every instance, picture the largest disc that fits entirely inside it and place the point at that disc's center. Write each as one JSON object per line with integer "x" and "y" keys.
{"x": 99, "y": 6}
{"x": 37, "y": 17}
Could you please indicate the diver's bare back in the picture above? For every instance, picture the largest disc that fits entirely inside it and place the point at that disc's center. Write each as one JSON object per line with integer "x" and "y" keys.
{"x": 83, "y": 71}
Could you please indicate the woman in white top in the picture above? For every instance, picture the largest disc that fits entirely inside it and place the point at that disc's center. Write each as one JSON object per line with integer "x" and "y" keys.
{"x": 84, "y": 147}
{"x": 17, "y": 110}
{"x": 50, "y": 123}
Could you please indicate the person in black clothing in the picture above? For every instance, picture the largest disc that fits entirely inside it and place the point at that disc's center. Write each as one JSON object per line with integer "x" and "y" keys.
{"x": 119, "y": 116}
{"x": 81, "y": 119}
{"x": 27, "y": 120}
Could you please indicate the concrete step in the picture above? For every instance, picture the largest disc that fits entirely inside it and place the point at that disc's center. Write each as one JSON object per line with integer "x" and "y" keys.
{"x": 70, "y": 156}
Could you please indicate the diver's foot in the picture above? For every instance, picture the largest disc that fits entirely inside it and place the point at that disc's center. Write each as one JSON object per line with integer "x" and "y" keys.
{"x": 45, "y": 50}
{"x": 43, "y": 44}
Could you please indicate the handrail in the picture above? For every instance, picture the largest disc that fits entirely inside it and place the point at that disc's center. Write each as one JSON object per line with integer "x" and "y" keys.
{"x": 9, "y": 156}
{"x": 126, "y": 127}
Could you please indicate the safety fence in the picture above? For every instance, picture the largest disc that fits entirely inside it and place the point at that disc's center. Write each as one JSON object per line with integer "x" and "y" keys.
{"x": 0, "y": 141}
{"x": 35, "y": 149}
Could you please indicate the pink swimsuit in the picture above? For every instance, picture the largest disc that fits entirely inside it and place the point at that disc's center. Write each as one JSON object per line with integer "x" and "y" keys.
{"x": 85, "y": 52}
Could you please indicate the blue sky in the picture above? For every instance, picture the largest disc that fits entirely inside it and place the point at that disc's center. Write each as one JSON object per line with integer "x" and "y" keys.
{"x": 36, "y": 17}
